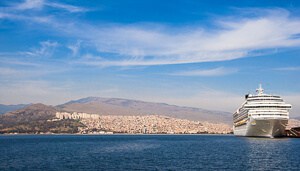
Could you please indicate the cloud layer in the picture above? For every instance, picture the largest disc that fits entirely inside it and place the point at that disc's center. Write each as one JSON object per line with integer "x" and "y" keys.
{"x": 143, "y": 44}
{"x": 161, "y": 45}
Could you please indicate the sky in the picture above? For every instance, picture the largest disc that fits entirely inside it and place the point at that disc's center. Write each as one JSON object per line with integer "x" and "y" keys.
{"x": 205, "y": 54}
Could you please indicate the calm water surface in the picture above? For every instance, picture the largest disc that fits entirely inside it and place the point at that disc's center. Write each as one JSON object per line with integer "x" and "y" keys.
{"x": 147, "y": 152}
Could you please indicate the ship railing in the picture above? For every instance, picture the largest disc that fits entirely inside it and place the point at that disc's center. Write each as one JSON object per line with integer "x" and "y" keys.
{"x": 270, "y": 117}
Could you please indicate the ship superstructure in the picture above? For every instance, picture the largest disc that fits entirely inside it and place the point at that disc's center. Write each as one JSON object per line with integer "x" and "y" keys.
{"x": 261, "y": 115}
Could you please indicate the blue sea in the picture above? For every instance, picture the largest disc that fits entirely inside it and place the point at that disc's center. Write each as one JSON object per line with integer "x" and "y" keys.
{"x": 147, "y": 152}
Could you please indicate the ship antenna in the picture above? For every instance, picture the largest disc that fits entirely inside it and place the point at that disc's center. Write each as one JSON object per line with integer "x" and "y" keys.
{"x": 260, "y": 90}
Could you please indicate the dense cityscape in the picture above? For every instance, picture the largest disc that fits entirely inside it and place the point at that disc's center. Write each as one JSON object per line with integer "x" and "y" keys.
{"x": 150, "y": 124}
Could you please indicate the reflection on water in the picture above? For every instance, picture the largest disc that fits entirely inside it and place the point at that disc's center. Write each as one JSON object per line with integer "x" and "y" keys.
{"x": 126, "y": 147}
{"x": 266, "y": 153}
{"x": 155, "y": 152}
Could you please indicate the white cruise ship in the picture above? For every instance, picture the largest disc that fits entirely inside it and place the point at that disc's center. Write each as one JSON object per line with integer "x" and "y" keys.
{"x": 261, "y": 115}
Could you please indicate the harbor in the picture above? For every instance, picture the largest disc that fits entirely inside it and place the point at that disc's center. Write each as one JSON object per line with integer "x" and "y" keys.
{"x": 293, "y": 132}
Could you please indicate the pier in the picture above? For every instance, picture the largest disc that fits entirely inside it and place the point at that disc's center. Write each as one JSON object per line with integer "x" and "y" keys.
{"x": 293, "y": 132}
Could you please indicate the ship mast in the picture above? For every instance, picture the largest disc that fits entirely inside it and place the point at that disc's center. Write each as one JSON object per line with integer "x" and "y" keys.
{"x": 260, "y": 90}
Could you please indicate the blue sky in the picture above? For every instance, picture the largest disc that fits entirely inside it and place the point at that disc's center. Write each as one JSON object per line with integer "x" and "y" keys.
{"x": 204, "y": 54}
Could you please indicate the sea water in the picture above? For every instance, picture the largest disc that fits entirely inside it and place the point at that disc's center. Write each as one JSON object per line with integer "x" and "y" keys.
{"x": 147, "y": 152}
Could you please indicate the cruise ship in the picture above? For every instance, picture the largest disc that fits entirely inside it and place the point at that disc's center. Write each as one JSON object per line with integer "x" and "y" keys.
{"x": 261, "y": 115}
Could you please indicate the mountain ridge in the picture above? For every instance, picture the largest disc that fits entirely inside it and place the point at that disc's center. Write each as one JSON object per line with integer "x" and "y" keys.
{"x": 126, "y": 107}
{"x": 122, "y": 106}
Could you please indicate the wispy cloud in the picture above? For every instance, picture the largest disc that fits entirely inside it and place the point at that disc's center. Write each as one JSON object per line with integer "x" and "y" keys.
{"x": 8, "y": 60}
{"x": 39, "y": 4}
{"x": 157, "y": 44}
{"x": 16, "y": 73}
{"x": 30, "y": 4}
{"x": 288, "y": 69}
{"x": 70, "y": 8}
{"x": 208, "y": 72}
{"x": 27, "y": 19}
{"x": 75, "y": 48}
{"x": 161, "y": 45}
{"x": 46, "y": 49}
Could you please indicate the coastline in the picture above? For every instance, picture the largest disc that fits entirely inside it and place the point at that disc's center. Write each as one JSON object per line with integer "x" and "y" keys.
{"x": 108, "y": 134}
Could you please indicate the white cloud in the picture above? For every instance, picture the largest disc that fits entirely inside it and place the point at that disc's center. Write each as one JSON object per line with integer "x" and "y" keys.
{"x": 208, "y": 72}
{"x": 40, "y": 4}
{"x": 27, "y": 19}
{"x": 161, "y": 45}
{"x": 126, "y": 61}
{"x": 30, "y": 4}
{"x": 156, "y": 44}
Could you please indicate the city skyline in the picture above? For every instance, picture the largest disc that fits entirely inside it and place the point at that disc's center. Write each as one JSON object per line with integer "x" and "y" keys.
{"x": 186, "y": 53}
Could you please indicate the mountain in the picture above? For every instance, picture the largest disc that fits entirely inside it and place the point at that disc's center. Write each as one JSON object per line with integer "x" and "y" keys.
{"x": 118, "y": 106}
{"x": 8, "y": 108}
{"x": 35, "y": 118}
{"x": 31, "y": 113}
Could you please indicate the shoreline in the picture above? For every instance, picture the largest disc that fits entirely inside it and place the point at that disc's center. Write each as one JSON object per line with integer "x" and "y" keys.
{"x": 109, "y": 134}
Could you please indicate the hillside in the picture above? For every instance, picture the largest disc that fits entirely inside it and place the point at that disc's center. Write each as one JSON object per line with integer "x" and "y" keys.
{"x": 33, "y": 119}
{"x": 40, "y": 118}
{"x": 125, "y": 107}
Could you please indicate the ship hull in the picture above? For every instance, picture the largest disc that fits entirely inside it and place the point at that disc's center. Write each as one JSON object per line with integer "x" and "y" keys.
{"x": 256, "y": 127}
